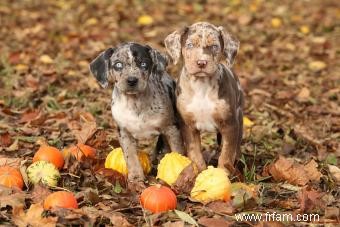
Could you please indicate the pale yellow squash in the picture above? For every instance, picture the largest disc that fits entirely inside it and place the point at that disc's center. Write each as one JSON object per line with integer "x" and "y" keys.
{"x": 115, "y": 160}
{"x": 170, "y": 167}
{"x": 210, "y": 185}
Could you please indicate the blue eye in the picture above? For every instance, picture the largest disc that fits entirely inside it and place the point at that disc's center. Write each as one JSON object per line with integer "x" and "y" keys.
{"x": 215, "y": 47}
{"x": 118, "y": 66}
{"x": 190, "y": 45}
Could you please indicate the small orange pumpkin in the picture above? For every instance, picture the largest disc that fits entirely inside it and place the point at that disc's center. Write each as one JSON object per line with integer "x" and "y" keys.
{"x": 158, "y": 198}
{"x": 49, "y": 154}
{"x": 81, "y": 150}
{"x": 60, "y": 199}
{"x": 11, "y": 177}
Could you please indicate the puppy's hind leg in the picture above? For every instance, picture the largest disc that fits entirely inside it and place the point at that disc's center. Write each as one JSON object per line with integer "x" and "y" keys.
{"x": 162, "y": 147}
{"x": 229, "y": 149}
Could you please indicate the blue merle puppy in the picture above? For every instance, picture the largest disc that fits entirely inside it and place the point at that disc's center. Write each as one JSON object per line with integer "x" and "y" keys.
{"x": 143, "y": 99}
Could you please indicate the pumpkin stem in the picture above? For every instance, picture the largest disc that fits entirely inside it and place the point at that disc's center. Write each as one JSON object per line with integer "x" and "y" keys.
{"x": 158, "y": 186}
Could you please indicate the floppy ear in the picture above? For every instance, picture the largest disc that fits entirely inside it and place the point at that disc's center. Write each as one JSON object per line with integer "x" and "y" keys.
{"x": 99, "y": 67}
{"x": 173, "y": 44}
{"x": 159, "y": 60}
{"x": 230, "y": 46}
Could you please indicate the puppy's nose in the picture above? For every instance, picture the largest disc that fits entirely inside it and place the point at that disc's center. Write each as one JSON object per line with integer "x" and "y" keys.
{"x": 132, "y": 81}
{"x": 202, "y": 63}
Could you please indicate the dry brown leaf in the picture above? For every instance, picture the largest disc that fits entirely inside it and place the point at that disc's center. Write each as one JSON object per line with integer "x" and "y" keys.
{"x": 332, "y": 212}
{"x": 113, "y": 176}
{"x": 243, "y": 195}
{"x": 269, "y": 224}
{"x": 119, "y": 220}
{"x": 303, "y": 95}
{"x": 288, "y": 170}
{"x": 335, "y": 172}
{"x": 29, "y": 116}
{"x": 14, "y": 146}
{"x": 84, "y": 128}
{"x": 310, "y": 200}
{"x": 33, "y": 217}
{"x": 11, "y": 197}
{"x": 116, "y": 219}
{"x": 221, "y": 207}
{"x": 215, "y": 222}
{"x": 13, "y": 162}
{"x": 186, "y": 180}
{"x": 39, "y": 193}
{"x": 5, "y": 139}
{"x": 317, "y": 66}
{"x": 174, "y": 224}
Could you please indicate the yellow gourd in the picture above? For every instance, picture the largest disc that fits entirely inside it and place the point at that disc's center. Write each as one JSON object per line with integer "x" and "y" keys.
{"x": 115, "y": 160}
{"x": 210, "y": 185}
{"x": 44, "y": 172}
{"x": 171, "y": 166}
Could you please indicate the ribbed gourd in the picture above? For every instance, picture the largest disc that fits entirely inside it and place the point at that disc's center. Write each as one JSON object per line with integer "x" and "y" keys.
{"x": 44, "y": 172}
{"x": 210, "y": 185}
{"x": 171, "y": 166}
{"x": 115, "y": 160}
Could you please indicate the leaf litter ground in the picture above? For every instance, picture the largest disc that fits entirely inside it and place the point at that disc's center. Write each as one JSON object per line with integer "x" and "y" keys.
{"x": 288, "y": 65}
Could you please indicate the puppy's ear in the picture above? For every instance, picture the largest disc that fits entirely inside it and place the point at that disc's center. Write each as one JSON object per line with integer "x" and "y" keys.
{"x": 173, "y": 44}
{"x": 99, "y": 67}
{"x": 159, "y": 60}
{"x": 230, "y": 46}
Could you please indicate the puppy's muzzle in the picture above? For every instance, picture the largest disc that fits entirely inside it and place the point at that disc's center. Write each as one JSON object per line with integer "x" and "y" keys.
{"x": 132, "y": 81}
{"x": 202, "y": 64}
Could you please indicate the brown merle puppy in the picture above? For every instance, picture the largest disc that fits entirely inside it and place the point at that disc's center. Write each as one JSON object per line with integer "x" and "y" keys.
{"x": 143, "y": 99}
{"x": 209, "y": 96}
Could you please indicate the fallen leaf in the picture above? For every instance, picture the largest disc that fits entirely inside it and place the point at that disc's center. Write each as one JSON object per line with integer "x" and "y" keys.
{"x": 84, "y": 128}
{"x": 145, "y": 20}
{"x": 11, "y": 197}
{"x": 288, "y": 170}
{"x": 310, "y": 200}
{"x": 5, "y": 139}
{"x": 244, "y": 19}
{"x": 46, "y": 59}
{"x": 243, "y": 195}
{"x": 33, "y": 217}
{"x": 215, "y": 222}
{"x": 29, "y": 116}
{"x": 13, "y": 162}
{"x": 119, "y": 220}
{"x": 113, "y": 176}
{"x": 317, "y": 66}
{"x": 335, "y": 172}
{"x": 14, "y": 146}
{"x": 247, "y": 122}
{"x": 221, "y": 207}
{"x": 304, "y": 29}
{"x": 174, "y": 224}
{"x": 186, "y": 180}
{"x": 269, "y": 224}
{"x": 311, "y": 171}
{"x": 303, "y": 95}
{"x": 276, "y": 22}
{"x": 332, "y": 212}
{"x": 21, "y": 67}
{"x": 186, "y": 217}
{"x": 39, "y": 193}
{"x": 91, "y": 21}
{"x": 307, "y": 134}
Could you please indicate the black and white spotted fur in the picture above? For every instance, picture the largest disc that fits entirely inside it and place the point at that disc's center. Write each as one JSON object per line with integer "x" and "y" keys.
{"x": 143, "y": 99}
